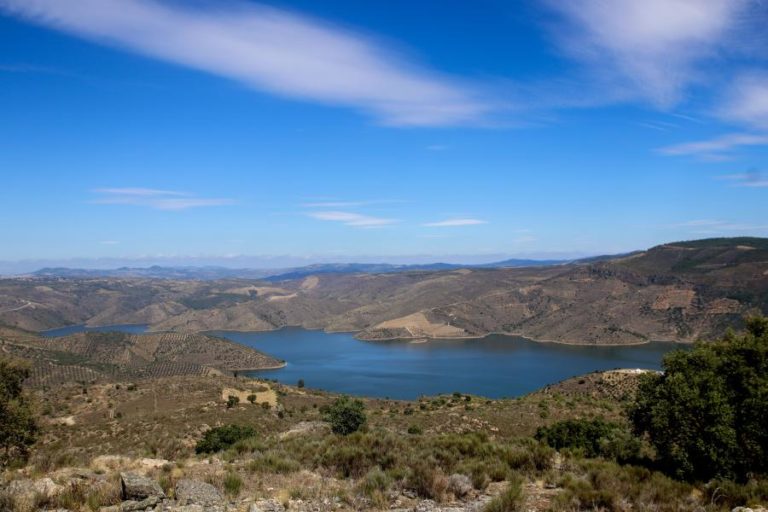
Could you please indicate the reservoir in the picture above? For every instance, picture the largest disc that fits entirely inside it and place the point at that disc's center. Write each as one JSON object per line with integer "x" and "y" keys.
{"x": 495, "y": 366}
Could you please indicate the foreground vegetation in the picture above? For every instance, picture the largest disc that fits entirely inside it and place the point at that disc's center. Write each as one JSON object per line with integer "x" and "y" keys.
{"x": 688, "y": 439}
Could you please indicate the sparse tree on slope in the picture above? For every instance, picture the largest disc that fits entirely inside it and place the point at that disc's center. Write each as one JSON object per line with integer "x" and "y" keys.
{"x": 706, "y": 414}
{"x": 18, "y": 430}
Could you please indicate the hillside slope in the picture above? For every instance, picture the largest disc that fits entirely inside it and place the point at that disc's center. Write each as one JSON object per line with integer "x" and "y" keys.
{"x": 103, "y": 357}
{"x": 681, "y": 291}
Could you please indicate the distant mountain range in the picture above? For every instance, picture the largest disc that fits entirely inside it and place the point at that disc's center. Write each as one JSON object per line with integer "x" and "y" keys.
{"x": 679, "y": 291}
{"x": 208, "y": 273}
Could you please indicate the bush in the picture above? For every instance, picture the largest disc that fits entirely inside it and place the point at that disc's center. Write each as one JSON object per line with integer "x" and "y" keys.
{"x": 594, "y": 438}
{"x": 300, "y": 384}
{"x": 232, "y": 484}
{"x": 232, "y": 401}
{"x": 346, "y": 415}
{"x": 605, "y": 485}
{"x": 273, "y": 462}
{"x": 705, "y": 415}
{"x": 427, "y": 480}
{"x": 18, "y": 430}
{"x": 375, "y": 481}
{"x": 415, "y": 430}
{"x": 252, "y": 398}
{"x": 511, "y": 500}
{"x": 221, "y": 438}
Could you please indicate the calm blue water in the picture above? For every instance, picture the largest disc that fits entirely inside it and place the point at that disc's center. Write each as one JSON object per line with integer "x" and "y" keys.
{"x": 495, "y": 366}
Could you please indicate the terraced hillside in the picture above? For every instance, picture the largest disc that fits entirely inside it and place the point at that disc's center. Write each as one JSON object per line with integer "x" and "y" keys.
{"x": 104, "y": 357}
{"x": 681, "y": 291}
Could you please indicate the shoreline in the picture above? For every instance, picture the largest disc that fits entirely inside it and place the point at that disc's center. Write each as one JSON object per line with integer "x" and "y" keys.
{"x": 420, "y": 339}
{"x": 278, "y": 367}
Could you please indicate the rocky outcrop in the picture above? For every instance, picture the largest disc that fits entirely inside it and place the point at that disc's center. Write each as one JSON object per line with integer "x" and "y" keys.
{"x": 138, "y": 488}
{"x": 193, "y": 492}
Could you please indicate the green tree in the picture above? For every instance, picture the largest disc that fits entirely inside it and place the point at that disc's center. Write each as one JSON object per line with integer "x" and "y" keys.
{"x": 232, "y": 401}
{"x": 18, "y": 430}
{"x": 706, "y": 414}
{"x": 346, "y": 415}
{"x": 252, "y": 398}
{"x": 221, "y": 438}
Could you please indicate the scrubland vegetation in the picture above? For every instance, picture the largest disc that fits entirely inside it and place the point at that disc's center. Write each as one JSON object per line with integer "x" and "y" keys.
{"x": 692, "y": 438}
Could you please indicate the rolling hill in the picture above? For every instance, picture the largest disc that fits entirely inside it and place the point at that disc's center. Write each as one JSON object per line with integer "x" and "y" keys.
{"x": 680, "y": 291}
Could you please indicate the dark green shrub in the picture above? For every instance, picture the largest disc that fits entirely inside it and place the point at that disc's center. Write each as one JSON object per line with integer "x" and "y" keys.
{"x": 232, "y": 401}
{"x": 18, "y": 430}
{"x": 594, "y": 438}
{"x": 346, "y": 415}
{"x": 221, "y": 438}
{"x": 415, "y": 430}
{"x": 706, "y": 414}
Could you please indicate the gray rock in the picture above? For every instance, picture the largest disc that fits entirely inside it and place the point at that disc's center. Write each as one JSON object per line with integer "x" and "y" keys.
{"x": 137, "y": 488}
{"x": 459, "y": 485}
{"x": 193, "y": 492}
{"x": 132, "y": 506}
{"x": 425, "y": 506}
{"x": 45, "y": 488}
{"x": 186, "y": 508}
{"x": 266, "y": 506}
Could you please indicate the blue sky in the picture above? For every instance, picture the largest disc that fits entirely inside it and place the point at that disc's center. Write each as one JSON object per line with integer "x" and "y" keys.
{"x": 159, "y": 130}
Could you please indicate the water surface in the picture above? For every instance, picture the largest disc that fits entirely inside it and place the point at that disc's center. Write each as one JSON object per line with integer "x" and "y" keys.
{"x": 495, "y": 366}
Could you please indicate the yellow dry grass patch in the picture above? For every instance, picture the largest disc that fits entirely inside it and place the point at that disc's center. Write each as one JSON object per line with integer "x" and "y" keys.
{"x": 268, "y": 396}
{"x": 276, "y": 298}
{"x": 418, "y": 325}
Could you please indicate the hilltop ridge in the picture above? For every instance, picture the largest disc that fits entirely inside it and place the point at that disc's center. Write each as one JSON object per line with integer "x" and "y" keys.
{"x": 679, "y": 291}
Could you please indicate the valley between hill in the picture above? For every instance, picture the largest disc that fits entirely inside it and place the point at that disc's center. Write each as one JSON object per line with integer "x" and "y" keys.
{"x": 682, "y": 292}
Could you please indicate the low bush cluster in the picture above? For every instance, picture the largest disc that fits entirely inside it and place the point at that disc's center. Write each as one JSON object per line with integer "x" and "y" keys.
{"x": 592, "y": 438}
{"x": 221, "y": 438}
{"x": 346, "y": 415}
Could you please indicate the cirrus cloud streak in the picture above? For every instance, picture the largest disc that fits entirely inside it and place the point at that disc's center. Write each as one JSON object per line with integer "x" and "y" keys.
{"x": 270, "y": 50}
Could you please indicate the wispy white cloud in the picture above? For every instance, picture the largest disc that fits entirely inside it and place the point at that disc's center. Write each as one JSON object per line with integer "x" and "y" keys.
{"x": 651, "y": 49}
{"x": 454, "y": 222}
{"x": 333, "y": 203}
{"x": 717, "y": 147}
{"x": 156, "y": 199}
{"x": 268, "y": 49}
{"x": 752, "y": 179}
{"x": 352, "y": 219}
{"x": 747, "y": 100}
{"x": 139, "y": 192}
